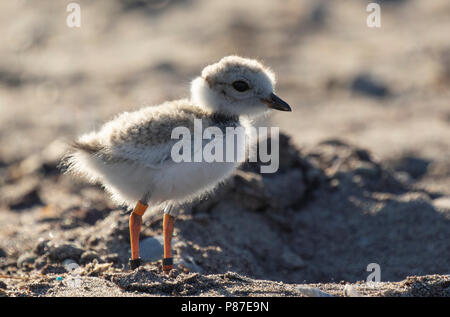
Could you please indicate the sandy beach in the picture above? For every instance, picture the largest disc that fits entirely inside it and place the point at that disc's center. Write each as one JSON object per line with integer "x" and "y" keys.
{"x": 364, "y": 173}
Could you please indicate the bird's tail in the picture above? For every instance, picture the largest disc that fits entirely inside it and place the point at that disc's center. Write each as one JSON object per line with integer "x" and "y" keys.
{"x": 81, "y": 158}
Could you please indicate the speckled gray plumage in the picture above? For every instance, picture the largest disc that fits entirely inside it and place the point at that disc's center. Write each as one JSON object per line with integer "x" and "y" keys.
{"x": 150, "y": 126}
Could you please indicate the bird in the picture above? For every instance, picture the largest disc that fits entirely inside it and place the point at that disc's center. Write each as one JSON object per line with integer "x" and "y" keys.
{"x": 131, "y": 156}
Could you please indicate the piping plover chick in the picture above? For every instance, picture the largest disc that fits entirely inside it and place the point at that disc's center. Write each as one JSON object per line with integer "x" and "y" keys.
{"x": 131, "y": 156}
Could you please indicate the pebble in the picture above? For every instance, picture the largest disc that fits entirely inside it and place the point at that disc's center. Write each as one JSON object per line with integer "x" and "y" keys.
{"x": 442, "y": 203}
{"x": 65, "y": 251}
{"x": 151, "y": 249}
{"x": 312, "y": 292}
{"x": 365, "y": 84}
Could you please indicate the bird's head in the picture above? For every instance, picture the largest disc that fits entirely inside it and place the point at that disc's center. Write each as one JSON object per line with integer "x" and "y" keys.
{"x": 237, "y": 86}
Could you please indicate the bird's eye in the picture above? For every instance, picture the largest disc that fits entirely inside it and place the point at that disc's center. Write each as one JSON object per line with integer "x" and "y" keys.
{"x": 240, "y": 85}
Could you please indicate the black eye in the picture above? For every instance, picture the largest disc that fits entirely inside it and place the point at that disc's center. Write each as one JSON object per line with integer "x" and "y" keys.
{"x": 240, "y": 85}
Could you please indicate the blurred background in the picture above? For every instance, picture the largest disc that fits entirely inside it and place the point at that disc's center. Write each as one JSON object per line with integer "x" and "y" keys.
{"x": 386, "y": 90}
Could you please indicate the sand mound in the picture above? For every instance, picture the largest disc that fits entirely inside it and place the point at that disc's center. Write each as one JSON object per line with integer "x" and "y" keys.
{"x": 324, "y": 216}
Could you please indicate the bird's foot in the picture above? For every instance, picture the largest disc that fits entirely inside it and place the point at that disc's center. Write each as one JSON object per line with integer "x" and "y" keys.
{"x": 134, "y": 264}
{"x": 167, "y": 265}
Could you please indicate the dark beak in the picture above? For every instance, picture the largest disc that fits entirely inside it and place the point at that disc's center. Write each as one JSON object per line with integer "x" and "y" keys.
{"x": 276, "y": 103}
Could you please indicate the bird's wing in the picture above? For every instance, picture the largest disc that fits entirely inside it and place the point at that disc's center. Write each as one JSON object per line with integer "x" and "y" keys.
{"x": 153, "y": 156}
{"x": 145, "y": 136}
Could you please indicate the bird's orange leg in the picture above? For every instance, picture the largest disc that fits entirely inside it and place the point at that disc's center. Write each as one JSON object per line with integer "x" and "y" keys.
{"x": 168, "y": 224}
{"x": 135, "y": 224}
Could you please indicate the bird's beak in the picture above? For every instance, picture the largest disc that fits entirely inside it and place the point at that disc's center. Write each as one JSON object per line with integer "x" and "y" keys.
{"x": 276, "y": 103}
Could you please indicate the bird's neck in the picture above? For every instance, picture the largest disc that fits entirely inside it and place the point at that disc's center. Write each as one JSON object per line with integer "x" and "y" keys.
{"x": 225, "y": 118}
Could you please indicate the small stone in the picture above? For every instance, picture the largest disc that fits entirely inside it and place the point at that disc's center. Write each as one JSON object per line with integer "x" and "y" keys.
{"x": 70, "y": 265}
{"x": 312, "y": 292}
{"x": 65, "y": 251}
{"x": 365, "y": 84}
{"x": 442, "y": 203}
{"x": 53, "y": 269}
{"x": 151, "y": 249}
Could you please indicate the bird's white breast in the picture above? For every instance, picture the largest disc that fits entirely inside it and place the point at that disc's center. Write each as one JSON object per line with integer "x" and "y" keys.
{"x": 187, "y": 180}
{"x": 178, "y": 182}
